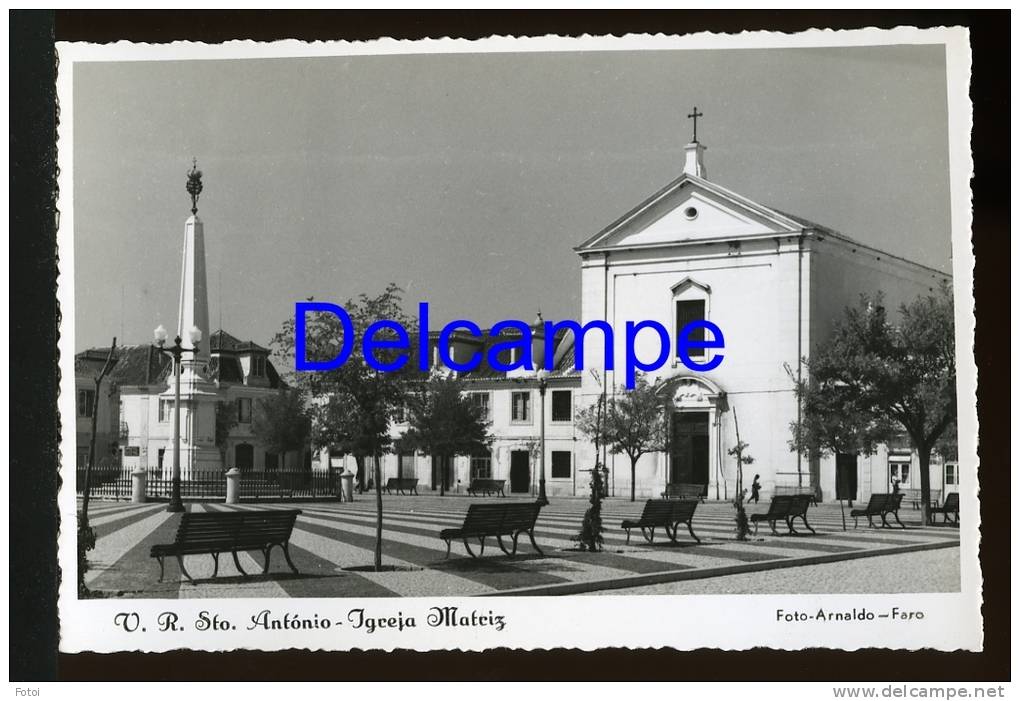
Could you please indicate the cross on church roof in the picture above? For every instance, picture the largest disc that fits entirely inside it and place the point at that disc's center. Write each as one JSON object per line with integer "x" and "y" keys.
{"x": 694, "y": 115}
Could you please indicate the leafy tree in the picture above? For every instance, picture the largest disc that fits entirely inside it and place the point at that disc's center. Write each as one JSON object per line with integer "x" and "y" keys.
{"x": 634, "y": 424}
{"x": 351, "y": 406}
{"x": 226, "y": 419}
{"x": 738, "y": 451}
{"x": 443, "y": 421}
{"x": 591, "y": 422}
{"x": 873, "y": 378}
{"x": 282, "y": 422}
{"x": 590, "y": 537}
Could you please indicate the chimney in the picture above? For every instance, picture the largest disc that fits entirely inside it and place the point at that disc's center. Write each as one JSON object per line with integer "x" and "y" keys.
{"x": 694, "y": 163}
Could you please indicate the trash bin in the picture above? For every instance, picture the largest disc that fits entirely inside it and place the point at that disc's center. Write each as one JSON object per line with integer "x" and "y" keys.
{"x": 347, "y": 485}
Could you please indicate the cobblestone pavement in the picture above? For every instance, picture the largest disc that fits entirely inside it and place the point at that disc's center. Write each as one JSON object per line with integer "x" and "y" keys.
{"x": 917, "y": 572}
{"x": 332, "y": 546}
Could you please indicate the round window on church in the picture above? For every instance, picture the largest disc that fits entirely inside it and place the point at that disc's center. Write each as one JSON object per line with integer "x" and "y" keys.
{"x": 691, "y": 212}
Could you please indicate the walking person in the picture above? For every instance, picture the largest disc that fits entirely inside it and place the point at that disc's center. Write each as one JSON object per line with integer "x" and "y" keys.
{"x": 755, "y": 490}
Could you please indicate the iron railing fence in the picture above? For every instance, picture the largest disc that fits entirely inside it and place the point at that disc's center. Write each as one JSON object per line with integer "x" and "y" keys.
{"x": 114, "y": 482}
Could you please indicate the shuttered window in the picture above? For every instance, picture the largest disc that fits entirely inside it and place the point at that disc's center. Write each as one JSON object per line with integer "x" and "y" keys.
{"x": 562, "y": 405}
{"x": 686, "y": 312}
{"x": 561, "y": 464}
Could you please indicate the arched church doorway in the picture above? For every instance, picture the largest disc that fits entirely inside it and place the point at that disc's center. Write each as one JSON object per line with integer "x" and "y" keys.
{"x": 690, "y": 448}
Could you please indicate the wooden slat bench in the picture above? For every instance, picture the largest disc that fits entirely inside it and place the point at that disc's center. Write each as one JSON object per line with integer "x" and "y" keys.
{"x": 952, "y": 506}
{"x": 498, "y": 520}
{"x": 682, "y": 490}
{"x": 786, "y": 507}
{"x": 914, "y": 497}
{"x": 880, "y": 505}
{"x": 487, "y": 487}
{"x": 401, "y": 485}
{"x": 667, "y": 513}
{"x": 785, "y": 490}
{"x": 231, "y": 532}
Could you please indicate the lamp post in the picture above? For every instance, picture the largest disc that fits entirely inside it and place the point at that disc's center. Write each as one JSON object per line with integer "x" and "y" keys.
{"x": 543, "y": 381}
{"x": 175, "y": 351}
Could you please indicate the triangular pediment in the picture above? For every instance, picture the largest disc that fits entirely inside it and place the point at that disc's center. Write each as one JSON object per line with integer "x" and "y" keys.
{"x": 689, "y": 210}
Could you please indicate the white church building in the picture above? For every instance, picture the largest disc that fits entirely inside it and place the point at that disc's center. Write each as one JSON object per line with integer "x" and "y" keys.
{"x": 775, "y": 284}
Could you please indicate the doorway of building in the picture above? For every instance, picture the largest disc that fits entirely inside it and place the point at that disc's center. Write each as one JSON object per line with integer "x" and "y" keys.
{"x": 520, "y": 471}
{"x": 689, "y": 452}
{"x": 846, "y": 477}
{"x": 441, "y": 472}
{"x": 244, "y": 457}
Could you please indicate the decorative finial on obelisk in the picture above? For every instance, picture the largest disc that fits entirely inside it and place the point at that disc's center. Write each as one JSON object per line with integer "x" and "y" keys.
{"x": 194, "y": 186}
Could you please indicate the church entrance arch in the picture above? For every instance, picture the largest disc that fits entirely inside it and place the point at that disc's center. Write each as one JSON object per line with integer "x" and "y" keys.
{"x": 693, "y": 405}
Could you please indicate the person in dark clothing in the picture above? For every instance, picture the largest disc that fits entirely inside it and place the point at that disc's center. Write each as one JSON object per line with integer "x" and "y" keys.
{"x": 755, "y": 490}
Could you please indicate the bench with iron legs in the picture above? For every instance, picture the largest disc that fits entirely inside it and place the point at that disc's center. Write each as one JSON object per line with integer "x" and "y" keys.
{"x": 952, "y": 506}
{"x": 667, "y": 513}
{"x": 914, "y": 497}
{"x": 486, "y": 487}
{"x": 215, "y": 533}
{"x": 787, "y": 508}
{"x": 679, "y": 490}
{"x": 497, "y": 520}
{"x": 401, "y": 485}
{"x": 880, "y": 505}
{"x": 785, "y": 490}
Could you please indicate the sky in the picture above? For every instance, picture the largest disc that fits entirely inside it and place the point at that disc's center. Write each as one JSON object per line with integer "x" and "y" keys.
{"x": 468, "y": 179}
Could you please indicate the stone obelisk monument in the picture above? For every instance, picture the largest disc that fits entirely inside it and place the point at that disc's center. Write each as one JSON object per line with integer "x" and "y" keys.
{"x": 198, "y": 394}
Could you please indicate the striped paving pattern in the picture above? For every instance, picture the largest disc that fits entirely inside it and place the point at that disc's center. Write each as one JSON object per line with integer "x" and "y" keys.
{"x": 333, "y": 545}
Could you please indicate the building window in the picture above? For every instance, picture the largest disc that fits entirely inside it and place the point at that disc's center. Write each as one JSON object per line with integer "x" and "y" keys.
{"x": 86, "y": 401}
{"x": 562, "y": 405}
{"x": 258, "y": 366}
{"x": 899, "y": 472}
{"x": 166, "y": 410}
{"x": 686, "y": 312}
{"x": 272, "y": 462}
{"x": 561, "y": 464}
{"x": 520, "y": 406}
{"x": 481, "y": 400}
{"x": 481, "y": 466}
{"x": 244, "y": 410}
{"x": 952, "y": 474}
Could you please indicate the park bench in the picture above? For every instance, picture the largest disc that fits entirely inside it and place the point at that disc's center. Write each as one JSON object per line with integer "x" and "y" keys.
{"x": 951, "y": 506}
{"x": 498, "y": 520}
{"x": 667, "y": 513}
{"x": 401, "y": 485}
{"x": 682, "y": 490}
{"x": 784, "y": 490}
{"x": 486, "y": 487}
{"x": 914, "y": 497}
{"x": 880, "y": 505}
{"x": 231, "y": 532}
{"x": 786, "y": 507}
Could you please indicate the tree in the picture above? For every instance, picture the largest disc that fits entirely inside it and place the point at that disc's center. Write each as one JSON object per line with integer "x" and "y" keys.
{"x": 351, "y": 406}
{"x": 226, "y": 419}
{"x": 634, "y": 424}
{"x": 86, "y": 535}
{"x": 282, "y": 422}
{"x": 873, "y": 378}
{"x": 591, "y": 421}
{"x": 444, "y": 422}
{"x": 738, "y": 451}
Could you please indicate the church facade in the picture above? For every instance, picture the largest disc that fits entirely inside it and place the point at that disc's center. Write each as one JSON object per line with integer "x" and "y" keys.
{"x": 774, "y": 284}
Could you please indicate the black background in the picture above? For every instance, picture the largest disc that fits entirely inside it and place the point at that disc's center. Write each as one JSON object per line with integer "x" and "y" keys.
{"x": 35, "y": 319}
